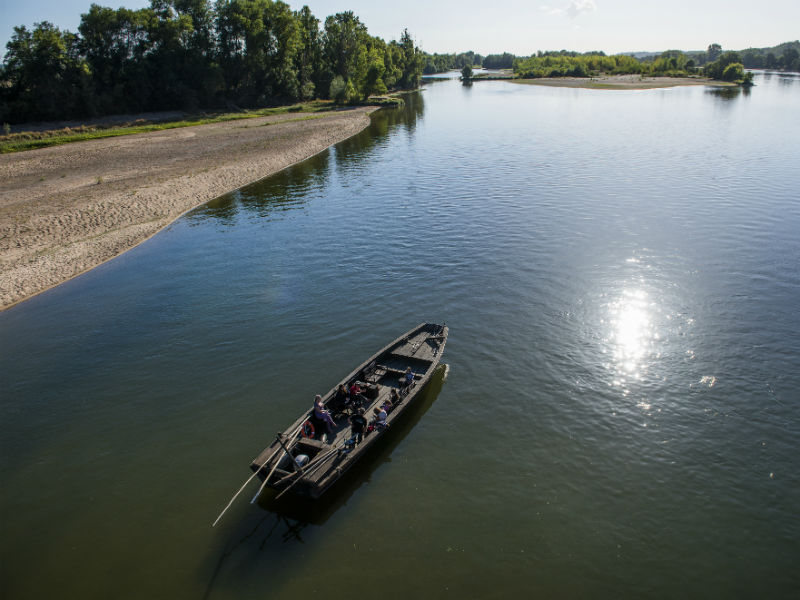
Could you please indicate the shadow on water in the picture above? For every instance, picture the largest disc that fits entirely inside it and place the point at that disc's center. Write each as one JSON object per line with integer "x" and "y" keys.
{"x": 383, "y": 123}
{"x": 729, "y": 93}
{"x": 289, "y": 189}
{"x": 272, "y": 196}
{"x": 282, "y": 523}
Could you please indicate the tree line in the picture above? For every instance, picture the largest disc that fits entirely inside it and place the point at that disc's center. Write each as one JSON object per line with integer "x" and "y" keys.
{"x": 713, "y": 62}
{"x": 187, "y": 54}
{"x": 441, "y": 63}
{"x": 784, "y": 56}
{"x": 726, "y": 66}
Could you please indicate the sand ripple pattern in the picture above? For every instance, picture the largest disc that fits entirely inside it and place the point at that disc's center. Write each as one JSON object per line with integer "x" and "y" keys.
{"x": 67, "y": 209}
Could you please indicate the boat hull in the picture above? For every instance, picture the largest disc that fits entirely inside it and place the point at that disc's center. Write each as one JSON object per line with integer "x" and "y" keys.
{"x": 301, "y": 461}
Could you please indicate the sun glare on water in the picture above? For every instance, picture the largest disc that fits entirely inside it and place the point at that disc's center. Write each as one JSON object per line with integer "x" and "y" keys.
{"x": 632, "y": 335}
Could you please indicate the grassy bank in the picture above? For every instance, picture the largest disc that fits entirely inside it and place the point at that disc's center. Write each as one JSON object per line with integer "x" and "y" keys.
{"x": 31, "y": 140}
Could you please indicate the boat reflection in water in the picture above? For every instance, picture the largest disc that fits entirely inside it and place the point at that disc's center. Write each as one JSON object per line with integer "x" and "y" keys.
{"x": 258, "y": 542}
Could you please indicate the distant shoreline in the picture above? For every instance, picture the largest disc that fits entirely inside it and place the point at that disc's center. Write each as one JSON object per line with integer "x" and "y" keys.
{"x": 621, "y": 82}
{"x": 67, "y": 209}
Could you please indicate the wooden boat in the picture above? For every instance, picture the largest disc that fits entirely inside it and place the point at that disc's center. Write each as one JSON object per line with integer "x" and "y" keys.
{"x": 306, "y": 460}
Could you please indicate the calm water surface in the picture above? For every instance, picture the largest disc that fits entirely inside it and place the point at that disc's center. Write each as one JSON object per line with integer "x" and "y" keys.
{"x": 620, "y": 271}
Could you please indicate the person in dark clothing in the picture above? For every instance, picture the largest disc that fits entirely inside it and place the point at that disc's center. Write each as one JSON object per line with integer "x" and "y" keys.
{"x": 358, "y": 424}
{"x": 340, "y": 399}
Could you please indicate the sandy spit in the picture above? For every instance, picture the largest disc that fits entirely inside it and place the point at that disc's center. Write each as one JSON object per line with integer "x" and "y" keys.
{"x": 621, "y": 82}
{"x": 67, "y": 209}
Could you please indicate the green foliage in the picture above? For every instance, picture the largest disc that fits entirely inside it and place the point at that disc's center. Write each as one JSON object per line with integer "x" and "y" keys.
{"x": 440, "y": 63}
{"x": 499, "y": 61}
{"x": 338, "y": 89}
{"x": 713, "y": 52}
{"x": 671, "y": 63}
{"x": 45, "y": 76}
{"x": 466, "y": 72}
{"x": 733, "y": 72}
{"x": 565, "y": 64}
{"x": 728, "y": 67}
{"x": 183, "y": 54}
{"x": 783, "y": 56}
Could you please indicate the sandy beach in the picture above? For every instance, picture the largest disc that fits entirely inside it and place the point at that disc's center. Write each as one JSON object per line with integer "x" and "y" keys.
{"x": 67, "y": 209}
{"x": 621, "y": 82}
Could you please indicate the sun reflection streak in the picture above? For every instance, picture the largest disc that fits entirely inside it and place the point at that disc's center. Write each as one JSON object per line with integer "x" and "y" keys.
{"x": 632, "y": 332}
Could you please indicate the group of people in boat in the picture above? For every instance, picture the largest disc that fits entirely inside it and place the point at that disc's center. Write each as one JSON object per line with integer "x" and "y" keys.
{"x": 346, "y": 400}
{"x": 351, "y": 401}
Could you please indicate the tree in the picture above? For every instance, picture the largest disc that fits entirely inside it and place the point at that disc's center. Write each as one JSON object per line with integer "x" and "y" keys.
{"x": 716, "y": 69}
{"x": 733, "y": 72}
{"x": 412, "y": 62}
{"x": 499, "y": 61}
{"x": 308, "y": 60}
{"x": 117, "y": 45}
{"x": 185, "y": 54}
{"x": 771, "y": 61}
{"x": 713, "y": 52}
{"x": 338, "y": 89}
{"x": 791, "y": 59}
{"x": 373, "y": 80}
{"x": 344, "y": 46}
{"x": 45, "y": 76}
{"x": 466, "y": 72}
{"x": 261, "y": 50}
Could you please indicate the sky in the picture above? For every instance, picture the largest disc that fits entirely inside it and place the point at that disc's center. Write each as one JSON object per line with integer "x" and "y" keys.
{"x": 517, "y": 26}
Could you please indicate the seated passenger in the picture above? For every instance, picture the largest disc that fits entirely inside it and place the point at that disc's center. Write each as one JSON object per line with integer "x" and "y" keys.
{"x": 323, "y": 415}
{"x": 394, "y": 397}
{"x": 407, "y": 378}
{"x": 380, "y": 417}
{"x": 340, "y": 399}
{"x": 355, "y": 393}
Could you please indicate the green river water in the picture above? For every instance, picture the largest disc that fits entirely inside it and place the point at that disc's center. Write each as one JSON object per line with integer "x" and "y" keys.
{"x": 620, "y": 272}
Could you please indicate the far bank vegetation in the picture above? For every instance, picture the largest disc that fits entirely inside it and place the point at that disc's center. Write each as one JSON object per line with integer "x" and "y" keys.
{"x": 713, "y": 63}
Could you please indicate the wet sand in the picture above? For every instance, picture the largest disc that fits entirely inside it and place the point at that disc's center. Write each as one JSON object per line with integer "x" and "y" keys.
{"x": 67, "y": 209}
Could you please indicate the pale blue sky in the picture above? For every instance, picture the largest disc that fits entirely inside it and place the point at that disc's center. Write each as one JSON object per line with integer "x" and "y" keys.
{"x": 517, "y": 26}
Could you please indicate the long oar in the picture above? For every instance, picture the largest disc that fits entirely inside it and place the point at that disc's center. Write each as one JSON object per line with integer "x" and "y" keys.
{"x": 277, "y": 462}
{"x": 244, "y": 485}
{"x": 264, "y": 464}
{"x": 295, "y": 466}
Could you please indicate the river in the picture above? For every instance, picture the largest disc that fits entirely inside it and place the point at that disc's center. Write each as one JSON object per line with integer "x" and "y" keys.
{"x": 620, "y": 272}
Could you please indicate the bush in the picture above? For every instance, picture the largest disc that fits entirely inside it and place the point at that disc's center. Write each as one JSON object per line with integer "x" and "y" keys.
{"x": 733, "y": 72}
{"x": 307, "y": 90}
{"x": 338, "y": 89}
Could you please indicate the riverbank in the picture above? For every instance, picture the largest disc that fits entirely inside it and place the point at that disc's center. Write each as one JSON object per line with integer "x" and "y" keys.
{"x": 621, "y": 82}
{"x": 67, "y": 209}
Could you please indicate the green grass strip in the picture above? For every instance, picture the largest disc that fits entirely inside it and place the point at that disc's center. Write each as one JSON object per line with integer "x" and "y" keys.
{"x": 19, "y": 142}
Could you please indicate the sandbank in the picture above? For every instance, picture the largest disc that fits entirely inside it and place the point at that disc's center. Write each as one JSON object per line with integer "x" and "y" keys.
{"x": 621, "y": 82}
{"x": 67, "y": 209}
